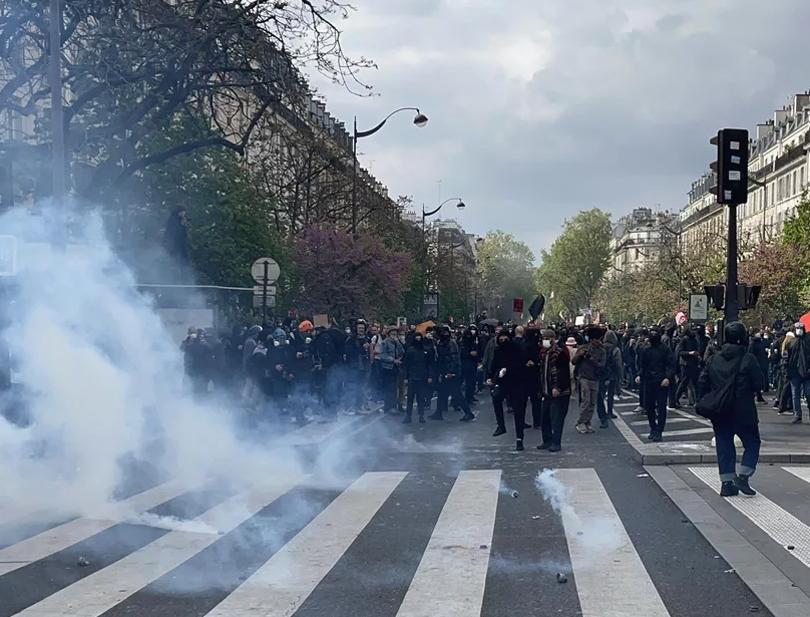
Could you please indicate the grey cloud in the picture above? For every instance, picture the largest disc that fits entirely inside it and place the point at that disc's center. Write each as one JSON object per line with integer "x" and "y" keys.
{"x": 616, "y": 113}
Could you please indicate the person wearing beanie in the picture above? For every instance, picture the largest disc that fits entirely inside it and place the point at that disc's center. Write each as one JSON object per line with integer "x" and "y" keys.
{"x": 736, "y": 366}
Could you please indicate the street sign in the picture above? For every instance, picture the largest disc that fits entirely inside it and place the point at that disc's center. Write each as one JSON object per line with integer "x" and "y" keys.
{"x": 517, "y": 305}
{"x": 698, "y": 307}
{"x": 258, "y": 290}
{"x": 8, "y": 256}
{"x": 258, "y": 268}
{"x": 258, "y": 301}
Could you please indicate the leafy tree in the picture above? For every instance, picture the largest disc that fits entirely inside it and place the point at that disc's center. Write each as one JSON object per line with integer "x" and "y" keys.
{"x": 576, "y": 264}
{"x": 774, "y": 266}
{"x": 505, "y": 272}
{"x": 133, "y": 64}
{"x": 341, "y": 274}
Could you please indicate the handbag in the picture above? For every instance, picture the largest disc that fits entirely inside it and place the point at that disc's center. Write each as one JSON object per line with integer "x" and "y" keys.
{"x": 714, "y": 405}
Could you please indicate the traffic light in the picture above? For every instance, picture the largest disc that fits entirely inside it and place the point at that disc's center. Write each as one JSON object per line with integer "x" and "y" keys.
{"x": 716, "y": 294}
{"x": 731, "y": 166}
{"x": 747, "y": 295}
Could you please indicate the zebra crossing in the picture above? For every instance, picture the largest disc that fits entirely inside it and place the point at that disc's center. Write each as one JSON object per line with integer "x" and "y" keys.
{"x": 681, "y": 424}
{"x": 291, "y": 547}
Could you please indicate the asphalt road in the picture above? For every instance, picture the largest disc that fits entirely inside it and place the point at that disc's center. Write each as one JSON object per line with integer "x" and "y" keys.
{"x": 390, "y": 521}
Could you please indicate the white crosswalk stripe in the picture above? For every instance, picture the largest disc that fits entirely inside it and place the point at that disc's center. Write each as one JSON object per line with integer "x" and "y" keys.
{"x": 784, "y": 528}
{"x": 280, "y": 586}
{"x": 92, "y": 596}
{"x": 453, "y": 570}
{"x": 609, "y": 582}
{"x": 61, "y": 537}
{"x": 457, "y": 556}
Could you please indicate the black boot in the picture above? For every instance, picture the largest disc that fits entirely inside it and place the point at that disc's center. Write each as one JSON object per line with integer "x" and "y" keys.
{"x": 729, "y": 489}
{"x": 406, "y": 420}
{"x": 468, "y": 417}
{"x": 436, "y": 416}
{"x": 499, "y": 431}
{"x": 741, "y": 484}
{"x": 519, "y": 445}
{"x": 421, "y": 419}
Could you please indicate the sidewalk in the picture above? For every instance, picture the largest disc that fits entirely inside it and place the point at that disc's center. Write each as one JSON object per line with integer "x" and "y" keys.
{"x": 688, "y": 437}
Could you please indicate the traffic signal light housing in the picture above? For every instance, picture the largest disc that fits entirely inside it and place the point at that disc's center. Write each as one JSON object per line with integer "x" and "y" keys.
{"x": 731, "y": 166}
{"x": 716, "y": 295}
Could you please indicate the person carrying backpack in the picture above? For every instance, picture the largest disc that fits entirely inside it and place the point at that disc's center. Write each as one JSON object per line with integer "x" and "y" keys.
{"x": 727, "y": 386}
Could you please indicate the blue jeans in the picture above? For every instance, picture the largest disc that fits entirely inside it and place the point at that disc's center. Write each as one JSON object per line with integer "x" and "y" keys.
{"x": 727, "y": 453}
{"x": 799, "y": 386}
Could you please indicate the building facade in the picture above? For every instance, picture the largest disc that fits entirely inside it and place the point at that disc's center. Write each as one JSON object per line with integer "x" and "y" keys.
{"x": 778, "y": 176}
{"x": 638, "y": 240}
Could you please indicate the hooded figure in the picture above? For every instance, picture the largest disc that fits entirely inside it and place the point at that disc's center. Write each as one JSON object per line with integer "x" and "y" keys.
{"x": 507, "y": 375}
{"x": 734, "y": 362}
{"x": 656, "y": 373}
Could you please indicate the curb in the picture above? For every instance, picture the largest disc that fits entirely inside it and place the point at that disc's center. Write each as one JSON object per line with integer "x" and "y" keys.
{"x": 651, "y": 454}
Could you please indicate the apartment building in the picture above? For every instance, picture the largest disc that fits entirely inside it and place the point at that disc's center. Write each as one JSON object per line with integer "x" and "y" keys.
{"x": 638, "y": 240}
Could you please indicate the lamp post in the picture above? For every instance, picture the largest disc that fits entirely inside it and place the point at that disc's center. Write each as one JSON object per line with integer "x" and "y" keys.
{"x": 55, "y": 78}
{"x": 460, "y": 205}
{"x": 419, "y": 120}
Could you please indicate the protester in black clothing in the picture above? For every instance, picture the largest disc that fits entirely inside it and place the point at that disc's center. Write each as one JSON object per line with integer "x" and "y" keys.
{"x": 555, "y": 389}
{"x": 470, "y": 357}
{"x": 740, "y": 417}
{"x": 419, "y": 370}
{"x": 448, "y": 368}
{"x": 689, "y": 359}
{"x": 507, "y": 373}
{"x": 656, "y": 372}
{"x": 758, "y": 349}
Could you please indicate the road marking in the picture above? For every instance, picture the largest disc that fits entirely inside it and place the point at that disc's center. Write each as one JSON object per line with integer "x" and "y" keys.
{"x": 692, "y": 417}
{"x": 283, "y": 583}
{"x": 59, "y": 538}
{"x": 803, "y": 473}
{"x": 669, "y": 421}
{"x": 317, "y": 432}
{"x": 630, "y": 404}
{"x": 101, "y": 591}
{"x": 628, "y": 433}
{"x": 451, "y": 576}
{"x": 780, "y": 525}
{"x": 690, "y": 431}
{"x": 610, "y": 578}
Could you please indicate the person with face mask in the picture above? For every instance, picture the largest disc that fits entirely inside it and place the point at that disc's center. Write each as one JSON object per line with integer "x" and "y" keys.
{"x": 504, "y": 380}
{"x": 300, "y": 371}
{"x": 656, "y": 372}
{"x": 448, "y": 370}
{"x": 798, "y": 369}
{"x": 555, "y": 381}
{"x": 758, "y": 348}
{"x": 419, "y": 373}
{"x": 734, "y": 367}
{"x": 689, "y": 358}
{"x": 469, "y": 363}
{"x": 590, "y": 362}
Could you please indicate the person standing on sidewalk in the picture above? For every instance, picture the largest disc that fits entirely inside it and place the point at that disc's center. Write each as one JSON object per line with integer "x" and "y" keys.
{"x": 590, "y": 362}
{"x": 611, "y": 382}
{"x": 555, "y": 390}
{"x": 798, "y": 370}
{"x": 740, "y": 416}
{"x": 656, "y": 372}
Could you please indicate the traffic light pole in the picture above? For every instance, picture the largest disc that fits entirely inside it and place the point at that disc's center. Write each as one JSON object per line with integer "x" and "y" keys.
{"x": 732, "y": 307}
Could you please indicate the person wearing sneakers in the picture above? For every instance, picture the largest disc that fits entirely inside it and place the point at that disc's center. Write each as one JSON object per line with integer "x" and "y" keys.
{"x": 590, "y": 361}
{"x": 739, "y": 416}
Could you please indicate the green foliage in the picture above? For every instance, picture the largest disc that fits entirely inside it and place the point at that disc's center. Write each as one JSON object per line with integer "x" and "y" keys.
{"x": 505, "y": 271}
{"x": 773, "y": 265}
{"x": 229, "y": 218}
{"x": 576, "y": 264}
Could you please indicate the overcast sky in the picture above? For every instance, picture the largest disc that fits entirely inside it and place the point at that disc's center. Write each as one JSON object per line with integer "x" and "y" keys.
{"x": 541, "y": 108}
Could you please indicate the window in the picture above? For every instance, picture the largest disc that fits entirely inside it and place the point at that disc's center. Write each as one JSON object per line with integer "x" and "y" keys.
{"x": 793, "y": 192}
{"x": 801, "y": 178}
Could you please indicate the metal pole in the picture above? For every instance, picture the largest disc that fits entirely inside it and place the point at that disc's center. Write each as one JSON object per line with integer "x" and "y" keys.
{"x": 264, "y": 295}
{"x": 354, "y": 178}
{"x": 732, "y": 310}
{"x": 55, "y": 78}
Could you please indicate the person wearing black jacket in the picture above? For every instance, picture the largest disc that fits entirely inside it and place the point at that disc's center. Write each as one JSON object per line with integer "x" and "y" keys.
{"x": 358, "y": 364}
{"x": 554, "y": 368}
{"x": 759, "y": 349}
{"x": 507, "y": 374}
{"x": 470, "y": 357}
{"x": 741, "y": 417}
{"x": 448, "y": 369}
{"x": 656, "y": 372}
{"x": 689, "y": 358}
{"x": 419, "y": 367}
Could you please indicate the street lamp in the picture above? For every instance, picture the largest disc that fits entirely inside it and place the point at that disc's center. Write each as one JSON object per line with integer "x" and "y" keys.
{"x": 420, "y": 120}
{"x": 460, "y": 205}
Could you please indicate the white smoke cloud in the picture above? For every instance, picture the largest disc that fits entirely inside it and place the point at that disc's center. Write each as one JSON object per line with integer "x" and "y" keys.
{"x": 103, "y": 384}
